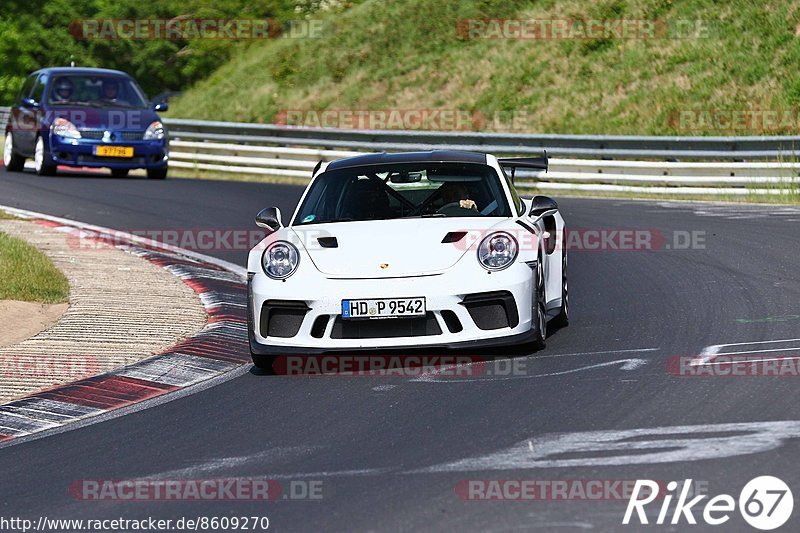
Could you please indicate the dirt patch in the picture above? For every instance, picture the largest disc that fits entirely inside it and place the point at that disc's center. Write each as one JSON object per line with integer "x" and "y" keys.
{"x": 22, "y": 320}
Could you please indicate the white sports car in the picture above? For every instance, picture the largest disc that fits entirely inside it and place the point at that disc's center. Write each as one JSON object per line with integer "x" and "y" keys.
{"x": 408, "y": 250}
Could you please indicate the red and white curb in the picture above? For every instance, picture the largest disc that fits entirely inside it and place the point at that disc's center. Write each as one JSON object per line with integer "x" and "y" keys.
{"x": 220, "y": 347}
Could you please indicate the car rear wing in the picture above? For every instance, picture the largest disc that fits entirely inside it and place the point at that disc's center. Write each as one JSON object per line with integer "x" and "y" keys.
{"x": 537, "y": 163}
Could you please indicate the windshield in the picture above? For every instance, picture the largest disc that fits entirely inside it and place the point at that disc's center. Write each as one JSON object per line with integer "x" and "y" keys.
{"x": 116, "y": 91}
{"x": 385, "y": 192}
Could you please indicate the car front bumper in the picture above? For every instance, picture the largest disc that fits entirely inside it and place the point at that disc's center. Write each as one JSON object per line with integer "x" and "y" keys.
{"x": 464, "y": 311}
{"x": 80, "y": 153}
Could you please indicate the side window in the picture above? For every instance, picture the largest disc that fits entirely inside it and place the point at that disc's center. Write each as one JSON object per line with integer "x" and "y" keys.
{"x": 26, "y": 88}
{"x": 38, "y": 88}
{"x": 518, "y": 204}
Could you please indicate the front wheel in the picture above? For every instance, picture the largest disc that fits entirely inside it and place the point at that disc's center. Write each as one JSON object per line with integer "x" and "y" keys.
{"x": 539, "y": 309}
{"x": 41, "y": 159}
{"x": 158, "y": 173}
{"x": 263, "y": 362}
{"x": 562, "y": 319}
{"x": 13, "y": 162}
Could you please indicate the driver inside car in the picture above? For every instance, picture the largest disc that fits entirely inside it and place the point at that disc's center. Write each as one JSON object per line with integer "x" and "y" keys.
{"x": 455, "y": 194}
{"x": 63, "y": 90}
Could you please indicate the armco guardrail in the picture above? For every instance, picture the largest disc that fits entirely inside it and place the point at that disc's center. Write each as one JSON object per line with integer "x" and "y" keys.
{"x": 599, "y": 146}
{"x": 674, "y": 165}
{"x": 293, "y": 152}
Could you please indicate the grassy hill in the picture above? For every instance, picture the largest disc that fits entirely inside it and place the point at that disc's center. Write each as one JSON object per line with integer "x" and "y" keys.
{"x": 742, "y": 56}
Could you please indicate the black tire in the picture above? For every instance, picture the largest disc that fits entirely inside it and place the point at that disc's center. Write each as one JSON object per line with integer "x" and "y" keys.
{"x": 562, "y": 319}
{"x": 119, "y": 172}
{"x": 263, "y": 363}
{"x": 540, "y": 311}
{"x": 13, "y": 161}
{"x": 158, "y": 173}
{"x": 47, "y": 167}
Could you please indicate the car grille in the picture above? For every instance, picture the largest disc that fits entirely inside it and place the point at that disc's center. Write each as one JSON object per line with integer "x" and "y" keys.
{"x": 492, "y": 310}
{"x": 385, "y": 328}
{"x": 282, "y": 318}
{"x": 133, "y": 161}
{"x": 97, "y": 135}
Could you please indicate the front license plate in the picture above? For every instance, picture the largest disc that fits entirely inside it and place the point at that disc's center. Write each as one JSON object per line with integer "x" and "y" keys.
{"x": 383, "y": 308}
{"x": 114, "y": 151}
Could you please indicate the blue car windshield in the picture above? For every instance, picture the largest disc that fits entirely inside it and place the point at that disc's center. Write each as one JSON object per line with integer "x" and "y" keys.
{"x": 407, "y": 190}
{"x": 100, "y": 91}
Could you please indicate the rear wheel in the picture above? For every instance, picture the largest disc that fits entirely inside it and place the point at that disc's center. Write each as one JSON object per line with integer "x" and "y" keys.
{"x": 41, "y": 159}
{"x": 119, "y": 172}
{"x": 562, "y": 319}
{"x": 158, "y": 173}
{"x": 13, "y": 162}
{"x": 539, "y": 310}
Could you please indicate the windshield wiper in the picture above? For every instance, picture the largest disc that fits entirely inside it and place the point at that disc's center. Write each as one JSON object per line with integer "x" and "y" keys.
{"x": 433, "y": 215}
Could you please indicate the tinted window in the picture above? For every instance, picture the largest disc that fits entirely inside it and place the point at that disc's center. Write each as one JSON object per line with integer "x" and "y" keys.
{"x": 26, "y": 87}
{"x": 407, "y": 190}
{"x": 38, "y": 88}
{"x": 81, "y": 89}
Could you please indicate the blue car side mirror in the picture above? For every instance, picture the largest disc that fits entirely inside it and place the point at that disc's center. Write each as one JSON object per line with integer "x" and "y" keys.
{"x": 162, "y": 106}
{"x": 29, "y": 102}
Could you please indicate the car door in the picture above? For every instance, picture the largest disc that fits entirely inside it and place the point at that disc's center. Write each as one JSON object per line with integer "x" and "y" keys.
{"x": 24, "y": 119}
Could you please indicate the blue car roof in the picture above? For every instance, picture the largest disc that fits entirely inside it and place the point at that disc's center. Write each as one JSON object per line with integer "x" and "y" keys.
{"x": 82, "y": 70}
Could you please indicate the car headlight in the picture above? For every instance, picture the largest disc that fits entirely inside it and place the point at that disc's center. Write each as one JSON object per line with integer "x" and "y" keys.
{"x": 154, "y": 131}
{"x": 497, "y": 251}
{"x": 280, "y": 260}
{"x": 64, "y": 128}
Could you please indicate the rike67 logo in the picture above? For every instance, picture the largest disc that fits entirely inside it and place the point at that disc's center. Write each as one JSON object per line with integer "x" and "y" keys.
{"x": 765, "y": 503}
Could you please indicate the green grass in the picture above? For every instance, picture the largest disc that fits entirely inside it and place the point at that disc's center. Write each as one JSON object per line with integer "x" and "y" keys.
{"x": 28, "y": 275}
{"x": 408, "y": 54}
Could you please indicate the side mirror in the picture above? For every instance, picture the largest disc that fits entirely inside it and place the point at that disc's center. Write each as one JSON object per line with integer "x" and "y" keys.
{"x": 269, "y": 218}
{"x": 161, "y": 107}
{"x": 542, "y": 204}
{"x": 29, "y": 102}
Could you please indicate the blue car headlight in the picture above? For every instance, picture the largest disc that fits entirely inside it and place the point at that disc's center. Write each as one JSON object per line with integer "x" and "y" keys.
{"x": 64, "y": 128}
{"x": 155, "y": 131}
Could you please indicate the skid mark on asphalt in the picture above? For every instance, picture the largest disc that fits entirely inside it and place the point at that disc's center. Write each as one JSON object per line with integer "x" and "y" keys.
{"x": 668, "y": 444}
{"x": 734, "y": 211}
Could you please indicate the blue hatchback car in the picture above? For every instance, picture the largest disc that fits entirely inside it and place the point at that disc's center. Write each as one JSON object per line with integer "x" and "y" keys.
{"x": 85, "y": 117}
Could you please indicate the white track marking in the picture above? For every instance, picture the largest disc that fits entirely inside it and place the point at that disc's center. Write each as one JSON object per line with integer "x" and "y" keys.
{"x": 429, "y": 375}
{"x": 633, "y": 350}
{"x": 709, "y": 353}
{"x": 627, "y": 364}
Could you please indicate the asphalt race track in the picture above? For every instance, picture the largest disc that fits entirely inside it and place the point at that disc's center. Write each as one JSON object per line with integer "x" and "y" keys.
{"x": 390, "y": 451}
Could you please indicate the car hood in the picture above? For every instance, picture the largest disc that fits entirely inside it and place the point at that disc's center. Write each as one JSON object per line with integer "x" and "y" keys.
{"x": 391, "y": 248}
{"x": 105, "y": 118}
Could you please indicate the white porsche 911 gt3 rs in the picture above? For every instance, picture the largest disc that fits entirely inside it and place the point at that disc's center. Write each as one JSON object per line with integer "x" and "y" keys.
{"x": 408, "y": 250}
